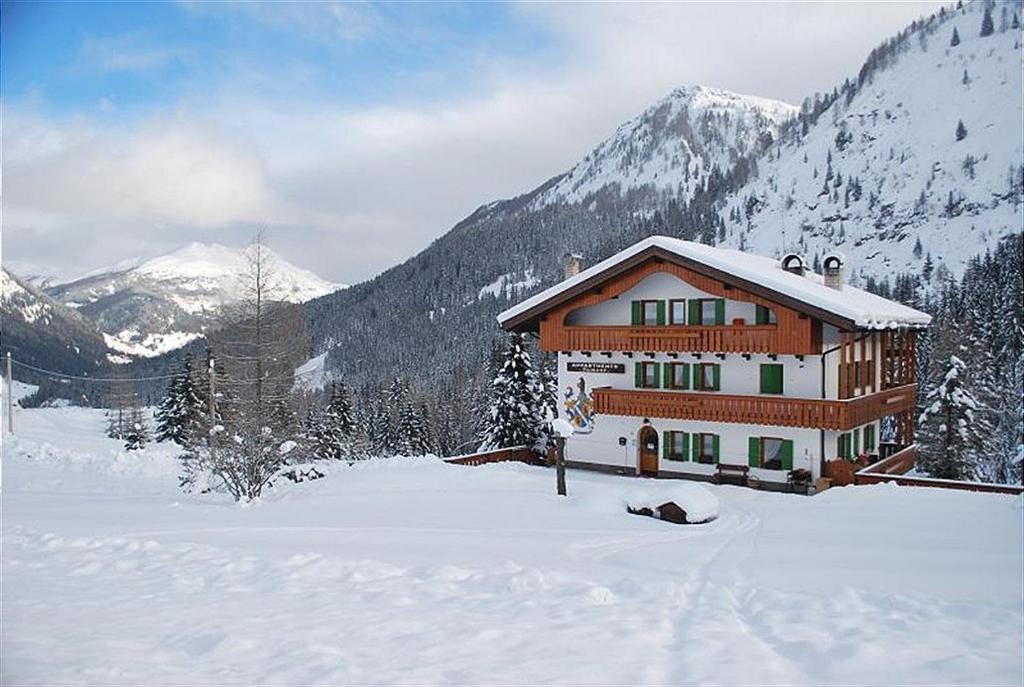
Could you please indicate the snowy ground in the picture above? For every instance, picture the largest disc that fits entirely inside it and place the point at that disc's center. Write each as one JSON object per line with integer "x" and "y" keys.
{"x": 413, "y": 571}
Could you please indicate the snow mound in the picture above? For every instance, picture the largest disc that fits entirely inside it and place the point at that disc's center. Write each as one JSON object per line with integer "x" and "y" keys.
{"x": 697, "y": 500}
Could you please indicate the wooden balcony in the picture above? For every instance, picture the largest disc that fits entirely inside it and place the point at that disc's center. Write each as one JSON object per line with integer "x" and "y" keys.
{"x": 756, "y": 410}
{"x": 736, "y": 338}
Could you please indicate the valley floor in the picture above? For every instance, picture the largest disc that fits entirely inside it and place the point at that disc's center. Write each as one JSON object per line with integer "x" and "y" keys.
{"x": 417, "y": 572}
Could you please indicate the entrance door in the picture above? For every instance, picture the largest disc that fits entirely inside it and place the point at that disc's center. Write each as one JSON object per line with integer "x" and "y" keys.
{"x": 648, "y": 450}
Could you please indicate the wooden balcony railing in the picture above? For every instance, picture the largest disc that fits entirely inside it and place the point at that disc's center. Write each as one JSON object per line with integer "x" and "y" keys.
{"x": 756, "y": 410}
{"x": 729, "y": 338}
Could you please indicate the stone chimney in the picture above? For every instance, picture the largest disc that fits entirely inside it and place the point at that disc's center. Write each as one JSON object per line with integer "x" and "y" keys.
{"x": 833, "y": 269}
{"x": 573, "y": 264}
{"x": 793, "y": 263}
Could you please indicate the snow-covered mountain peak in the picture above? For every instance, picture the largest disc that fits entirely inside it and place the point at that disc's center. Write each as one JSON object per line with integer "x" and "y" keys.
{"x": 154, "y": 305}
{"x": 672, "y": 146}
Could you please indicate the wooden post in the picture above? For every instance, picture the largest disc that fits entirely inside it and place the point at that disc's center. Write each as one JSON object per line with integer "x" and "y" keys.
{"x": 10, "y": 396}
{"x": 560, "y": 464}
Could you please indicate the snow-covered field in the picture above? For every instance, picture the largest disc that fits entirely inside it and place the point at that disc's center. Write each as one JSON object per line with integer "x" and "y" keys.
{"x": 414, "y": 571}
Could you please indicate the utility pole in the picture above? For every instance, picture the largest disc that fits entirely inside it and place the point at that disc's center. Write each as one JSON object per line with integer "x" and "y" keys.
{"x": 10, "y": 396}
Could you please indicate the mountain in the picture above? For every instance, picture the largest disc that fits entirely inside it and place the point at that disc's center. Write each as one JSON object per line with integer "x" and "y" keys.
{"x": 671, "y": 149}
{"x": 41, "y": 332}
{"x": 432, "y": 317}
{"x": 883, "y": 175}
{"x": 723, "y": 168}
{"x": 149, "y": 307}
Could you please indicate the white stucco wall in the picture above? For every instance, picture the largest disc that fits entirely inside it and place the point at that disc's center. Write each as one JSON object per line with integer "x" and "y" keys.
{"x": 601, "y": 446}
{"x": 658, "y": 286}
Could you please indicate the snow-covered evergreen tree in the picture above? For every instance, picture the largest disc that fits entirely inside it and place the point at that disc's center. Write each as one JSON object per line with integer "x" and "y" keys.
{"x": 413, "y": 434}
{"x": 137, "y": 434}
{"x": 952, "y": 429}
{"x": 333, "y": 427}
{"x": 181, "y": 415}
{"x": 515, "y": 415}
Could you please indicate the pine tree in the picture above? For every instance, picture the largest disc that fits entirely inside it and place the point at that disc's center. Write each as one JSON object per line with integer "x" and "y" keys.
{"x": 961, "y": 130}
{"x": 137, "y": 434}
{"x": 181, "y": 415}
{"x": 413, "y": 434}
{"x": 1015, "y": 23}
{"x": 333, "y": 427}
{"x": 515, "y": 414}
{"x": 987, "y": 27}
{"x": 955, "y": 40}
{"x": 952, "y": 431}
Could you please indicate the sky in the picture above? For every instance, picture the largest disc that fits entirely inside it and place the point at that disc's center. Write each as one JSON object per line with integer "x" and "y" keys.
{"x": 353, "y": 133}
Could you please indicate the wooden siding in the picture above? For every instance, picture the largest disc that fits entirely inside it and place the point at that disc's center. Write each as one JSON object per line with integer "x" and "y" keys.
{"x": 794, "y": 333}
{"x": 756, "y": 410}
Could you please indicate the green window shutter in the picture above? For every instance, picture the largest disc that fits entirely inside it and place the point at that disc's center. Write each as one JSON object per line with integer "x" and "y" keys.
{"x": 694, "y": 306}
{"x": 657, "y": 375}
{"x": 696, "y": 376}
{"x": 686, "y": 375}
{"x": 666, "y": 444}
{"x": 638, "y": 313}
{"x": 856, "y": 443}
{"x": 716, "y": 377}
{"x": 754, "y": 451}
{"x": 787, "y": 454}
{"x": 840, "y": 453}
{"x": 720, "y": 311}
{"x": 696, "y": 448}
{"x": 638, "y": 373}
{"x": 686, "y": 447}
{"x": 760, "y": 314}
{"x": 771, "y": 379}
{"x": 666, "y": 375}
{"x": 661, "y": 312}
{"x": 714, "y": 445}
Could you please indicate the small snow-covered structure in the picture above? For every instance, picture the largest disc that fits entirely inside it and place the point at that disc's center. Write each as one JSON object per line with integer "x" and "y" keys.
{"x": 696, "y": 503}
{"x": 678, "y": 359}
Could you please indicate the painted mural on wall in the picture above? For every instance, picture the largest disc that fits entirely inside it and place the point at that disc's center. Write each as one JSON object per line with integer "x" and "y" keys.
{"x": 579, "y": 407}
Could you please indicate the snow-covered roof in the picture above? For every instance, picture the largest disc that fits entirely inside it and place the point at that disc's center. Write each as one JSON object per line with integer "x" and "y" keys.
{"x": 864, "y": 310}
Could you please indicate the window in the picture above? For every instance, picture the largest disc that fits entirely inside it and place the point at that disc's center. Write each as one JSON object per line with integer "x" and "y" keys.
{"x": 706, "y": 448}
{"x": 763, "y": 315}
{"x": 647, "y": 375}
{"x": 677, "y": 445}
{"x": 708, "y": 377}
{"x": 677, "y": 311}
{"x": 677, "y": 375}
{"x": 771, "y": 379}
{"x": 869, "y": 438}
{"x": 771, "y": 453}
{"x": 844, "y": 447}
{"x": 648, "y": 313}
{"x": 707, "y": 311}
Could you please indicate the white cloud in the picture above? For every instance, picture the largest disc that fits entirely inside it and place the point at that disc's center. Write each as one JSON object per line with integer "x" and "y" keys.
{"x": 347, "y": 192}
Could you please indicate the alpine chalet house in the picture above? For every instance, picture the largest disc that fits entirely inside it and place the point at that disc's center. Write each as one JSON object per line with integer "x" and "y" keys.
{"x": 678, "y": 359}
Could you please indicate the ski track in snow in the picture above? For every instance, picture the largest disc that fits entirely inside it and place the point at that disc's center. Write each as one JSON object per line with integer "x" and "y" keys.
{"x": 415, "y": 572}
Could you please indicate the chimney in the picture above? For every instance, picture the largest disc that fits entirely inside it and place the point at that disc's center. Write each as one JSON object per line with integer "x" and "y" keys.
{"x": 793, "y": 263}
{"x": 833, "y": 270}
{"x": 573, "y": 264}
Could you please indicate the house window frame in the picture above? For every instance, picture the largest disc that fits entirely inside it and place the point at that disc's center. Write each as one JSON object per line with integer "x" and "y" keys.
{"x": 699, "y": 384}
{"x": 646, "y": 365}
{"x": 672, "y": 311}
{"x": 704, "y": 303}
{"x": 644, "y": 303}
{"x": 762, "y": 452}
{"x": 673, "y": 435}
{"x": 701, "y": 457}
{"x": 670, "y": 376}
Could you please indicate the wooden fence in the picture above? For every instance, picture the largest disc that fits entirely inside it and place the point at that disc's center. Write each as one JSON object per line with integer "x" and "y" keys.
{"x": 517, "y": 454}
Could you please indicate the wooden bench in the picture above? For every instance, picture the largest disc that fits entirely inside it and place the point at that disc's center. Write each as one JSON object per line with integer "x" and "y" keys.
{"x": 732, "y": 474}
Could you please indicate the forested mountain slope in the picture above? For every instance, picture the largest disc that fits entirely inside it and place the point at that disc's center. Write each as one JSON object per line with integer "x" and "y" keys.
{"x": 922, "y": 155}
